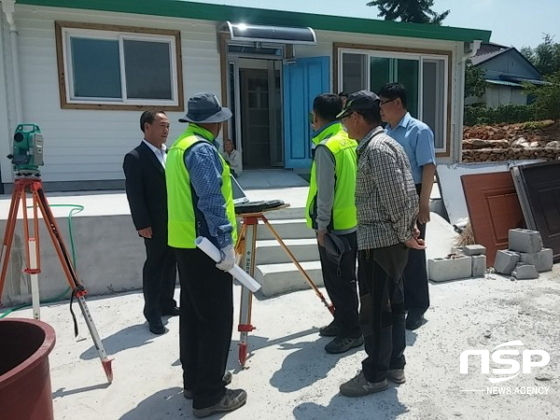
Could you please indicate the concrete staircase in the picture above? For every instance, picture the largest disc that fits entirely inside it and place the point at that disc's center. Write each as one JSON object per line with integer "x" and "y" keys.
{"x": 275, "y": 271}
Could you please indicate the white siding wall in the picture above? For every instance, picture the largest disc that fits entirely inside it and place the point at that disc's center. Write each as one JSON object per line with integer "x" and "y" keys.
{"x": 90, "y": 145}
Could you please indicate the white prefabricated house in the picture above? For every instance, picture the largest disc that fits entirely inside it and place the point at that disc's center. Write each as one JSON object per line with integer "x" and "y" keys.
{"x": 84, "y": 70}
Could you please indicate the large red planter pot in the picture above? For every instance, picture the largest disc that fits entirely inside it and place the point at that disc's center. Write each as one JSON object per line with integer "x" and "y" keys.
{"x": 25, "y": 382}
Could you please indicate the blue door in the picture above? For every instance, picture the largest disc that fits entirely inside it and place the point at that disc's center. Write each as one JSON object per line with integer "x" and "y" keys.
{"x": 303, "y": 81}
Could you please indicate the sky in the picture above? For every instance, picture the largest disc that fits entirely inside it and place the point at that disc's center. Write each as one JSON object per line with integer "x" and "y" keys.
{"x": 517, "y": 23}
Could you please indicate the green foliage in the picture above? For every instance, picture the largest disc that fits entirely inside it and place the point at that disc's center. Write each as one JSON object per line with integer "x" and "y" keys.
{"x": 475, "y": 85}
{"x": 537, "y": 125}
{"x": 547, "y": 102}
{"x": 508, "y": 114}
{"x": 545, "y": 57}
{"x": 416, "y": 11}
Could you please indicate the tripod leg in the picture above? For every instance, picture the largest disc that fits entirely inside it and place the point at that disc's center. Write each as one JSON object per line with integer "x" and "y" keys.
{"x": 78, "y": 289}
{"x": 9, "y": 232}
{"x": 249, "y": 261}
{"x": 329, "y": 306}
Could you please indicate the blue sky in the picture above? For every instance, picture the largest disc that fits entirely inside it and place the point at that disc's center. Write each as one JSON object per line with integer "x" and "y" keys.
{"x": 515, "y": 23}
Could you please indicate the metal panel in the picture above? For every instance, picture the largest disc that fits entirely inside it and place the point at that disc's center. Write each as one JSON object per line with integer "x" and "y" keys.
{"x": 493, "y": 209}
{"x": 541, "y": 184}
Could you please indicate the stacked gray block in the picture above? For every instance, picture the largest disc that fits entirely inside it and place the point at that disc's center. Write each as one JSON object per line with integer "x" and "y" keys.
{"x": 543, "y": 260}
{"x": 525, "y": 240}
{"x": 472, "y": 250}
{"x": 505, "y": 261}
{"x": 525, "y": 272}
{"x": 445, "y": 269}
{"x": 478, "y": 265}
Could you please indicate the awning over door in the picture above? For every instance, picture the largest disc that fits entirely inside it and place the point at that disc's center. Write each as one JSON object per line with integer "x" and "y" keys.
{"x": 271, "y": 34}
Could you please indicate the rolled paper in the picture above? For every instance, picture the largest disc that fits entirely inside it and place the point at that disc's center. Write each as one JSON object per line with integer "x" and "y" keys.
{"x": 237, "y": 272}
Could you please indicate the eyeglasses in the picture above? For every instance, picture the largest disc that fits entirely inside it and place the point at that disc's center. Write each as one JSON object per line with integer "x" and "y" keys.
{"x": 381, "y": 103}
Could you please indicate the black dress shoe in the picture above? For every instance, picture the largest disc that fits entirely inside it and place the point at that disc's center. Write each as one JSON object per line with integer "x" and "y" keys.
{"x": 414, "y": 321}
{"x": 175, "y": 311}
{"x": 157, "y": 327}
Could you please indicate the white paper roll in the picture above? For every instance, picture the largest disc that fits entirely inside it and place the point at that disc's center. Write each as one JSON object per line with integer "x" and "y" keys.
{"x": 209, "y": 249}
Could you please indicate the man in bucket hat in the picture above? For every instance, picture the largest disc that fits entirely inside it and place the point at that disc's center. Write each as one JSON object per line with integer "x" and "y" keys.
{"x": 387, "y": 205}
{"x": 331, "y": 212}
{"x": 200, "y": 203}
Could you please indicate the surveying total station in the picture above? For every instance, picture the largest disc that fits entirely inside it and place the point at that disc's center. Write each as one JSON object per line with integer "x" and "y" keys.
{"x": 26, "y": 158}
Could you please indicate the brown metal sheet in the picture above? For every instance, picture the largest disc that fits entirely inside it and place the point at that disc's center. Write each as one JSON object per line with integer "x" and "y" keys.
{"x": 541, "y": 183}
{"x": 493, "y": 209}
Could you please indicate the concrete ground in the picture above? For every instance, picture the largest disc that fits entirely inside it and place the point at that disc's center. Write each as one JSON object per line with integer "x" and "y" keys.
{"x": 289, "y": 376}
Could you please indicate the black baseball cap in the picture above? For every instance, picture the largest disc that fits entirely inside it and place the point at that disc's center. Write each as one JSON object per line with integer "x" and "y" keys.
{"x": 363, "y": 99}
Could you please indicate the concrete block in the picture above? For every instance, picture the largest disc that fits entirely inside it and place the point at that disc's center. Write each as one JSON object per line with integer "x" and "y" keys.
{"x": 525, "y": 272}
{"x": 445, "y": 269}
{"x": 472, "y": 250}
{"x": 525, "y": 240}
{"x": 478, "y": 265}
{"x": 505, "y": 261}
{"x": 543, "y": 260}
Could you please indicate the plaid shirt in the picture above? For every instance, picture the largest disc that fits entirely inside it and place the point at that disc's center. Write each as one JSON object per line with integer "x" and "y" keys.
{"x": 386, "y": 197}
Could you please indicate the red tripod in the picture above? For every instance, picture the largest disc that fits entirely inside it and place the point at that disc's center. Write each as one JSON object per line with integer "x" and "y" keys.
{"x": 33, "y": 261}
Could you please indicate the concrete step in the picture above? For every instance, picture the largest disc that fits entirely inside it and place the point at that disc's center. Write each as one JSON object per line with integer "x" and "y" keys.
{"x": 270, "y": 251}
{"x": 287, "y": 213}
{"x": 286, "y": 229}
{"x": 277, "y": 279}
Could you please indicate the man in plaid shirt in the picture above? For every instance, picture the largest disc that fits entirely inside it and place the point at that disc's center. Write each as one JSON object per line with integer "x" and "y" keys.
{"x": 387, "y": 205}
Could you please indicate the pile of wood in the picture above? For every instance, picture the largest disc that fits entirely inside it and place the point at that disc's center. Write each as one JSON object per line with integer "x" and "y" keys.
{"x": 511, "y": 142}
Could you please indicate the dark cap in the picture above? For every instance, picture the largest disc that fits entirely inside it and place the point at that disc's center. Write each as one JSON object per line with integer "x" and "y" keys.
{"x": 205, "y": 108}
{"x": 363, "y": 99}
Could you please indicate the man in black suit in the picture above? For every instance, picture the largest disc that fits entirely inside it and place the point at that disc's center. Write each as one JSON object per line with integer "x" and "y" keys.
{"x": 144, "y": 169}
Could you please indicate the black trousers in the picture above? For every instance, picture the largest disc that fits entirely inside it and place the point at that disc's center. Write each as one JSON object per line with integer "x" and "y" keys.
{"x": 205, "y": 325}
{"x": 159, "y": 277}
{"x": 415, "y": 277}
{"x": 382, "y": 314}
{"x": 340, "y": 282}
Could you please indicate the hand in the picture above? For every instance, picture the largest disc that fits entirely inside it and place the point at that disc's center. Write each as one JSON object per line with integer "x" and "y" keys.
{"x": 415, "y": 231}
{"x": 321, "y": 237}
{"x": 146, "y": 232}
{"x": 424, "y": 213}
{"x": 228, "y": 258}
{"x": 415, "y": 243}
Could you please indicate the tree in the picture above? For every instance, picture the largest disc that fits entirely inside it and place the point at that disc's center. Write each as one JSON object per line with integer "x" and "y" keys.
{"x": 547, "y": 97}
{"x": 416, "y": 11}
{"x": 545, "y": 57}
{"x": 475, "y": 85}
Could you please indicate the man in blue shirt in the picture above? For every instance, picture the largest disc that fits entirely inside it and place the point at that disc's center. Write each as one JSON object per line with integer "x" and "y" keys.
{"x": 417, "y": 139}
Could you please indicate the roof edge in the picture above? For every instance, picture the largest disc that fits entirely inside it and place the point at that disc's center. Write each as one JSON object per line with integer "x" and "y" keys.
{"x": 215, "y": 12}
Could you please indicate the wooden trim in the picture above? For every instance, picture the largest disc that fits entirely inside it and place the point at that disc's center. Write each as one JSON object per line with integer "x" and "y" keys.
{"x": 223, "y": 50}
{"x": 62, "y": 79}
{"x": 340, "y": 45}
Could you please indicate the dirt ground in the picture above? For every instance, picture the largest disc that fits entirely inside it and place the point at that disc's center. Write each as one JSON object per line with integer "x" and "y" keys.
{"x": 289, "y": 376}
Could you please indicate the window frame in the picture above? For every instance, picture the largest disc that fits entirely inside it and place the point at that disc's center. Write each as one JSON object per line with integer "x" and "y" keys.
{"x": 403, "y": 53}
{"x": 65, "y": 30}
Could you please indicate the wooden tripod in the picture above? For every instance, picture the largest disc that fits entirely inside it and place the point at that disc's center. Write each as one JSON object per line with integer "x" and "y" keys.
{"x": 246, "y": 248}
{"x": 32, "y": 253}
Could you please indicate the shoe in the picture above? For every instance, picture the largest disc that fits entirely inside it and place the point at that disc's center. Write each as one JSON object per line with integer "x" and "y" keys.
{"x": 396, "y": 376}
{"x": 188, "y": 394}
{"x": 343, "y": 344}
{"x": 360, "y": 386}
{"x": 414, "y": 321}
{"x": 157, "y": 328}
{"x": 175, "y": 311}
{"x": 232, "y": 400}
{"x": 330, "y": 330}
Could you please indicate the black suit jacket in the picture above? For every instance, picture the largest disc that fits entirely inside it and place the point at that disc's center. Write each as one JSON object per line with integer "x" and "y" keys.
{"x": 146, "y": 190}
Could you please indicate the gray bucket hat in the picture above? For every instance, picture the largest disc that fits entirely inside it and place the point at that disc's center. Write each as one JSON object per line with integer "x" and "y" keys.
{"x": 205, "y": 108}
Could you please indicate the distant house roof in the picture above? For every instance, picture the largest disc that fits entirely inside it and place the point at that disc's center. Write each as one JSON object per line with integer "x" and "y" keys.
{"x": 479, "y": 59}
{"x": 215, "y": 12}
{"x": 484, "y": 60}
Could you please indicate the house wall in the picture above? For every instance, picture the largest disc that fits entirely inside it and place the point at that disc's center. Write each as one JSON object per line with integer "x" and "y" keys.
{"x": 85, "y": 145}
{"x": 504, "y": 95}
{"x": 511, "y": 64}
